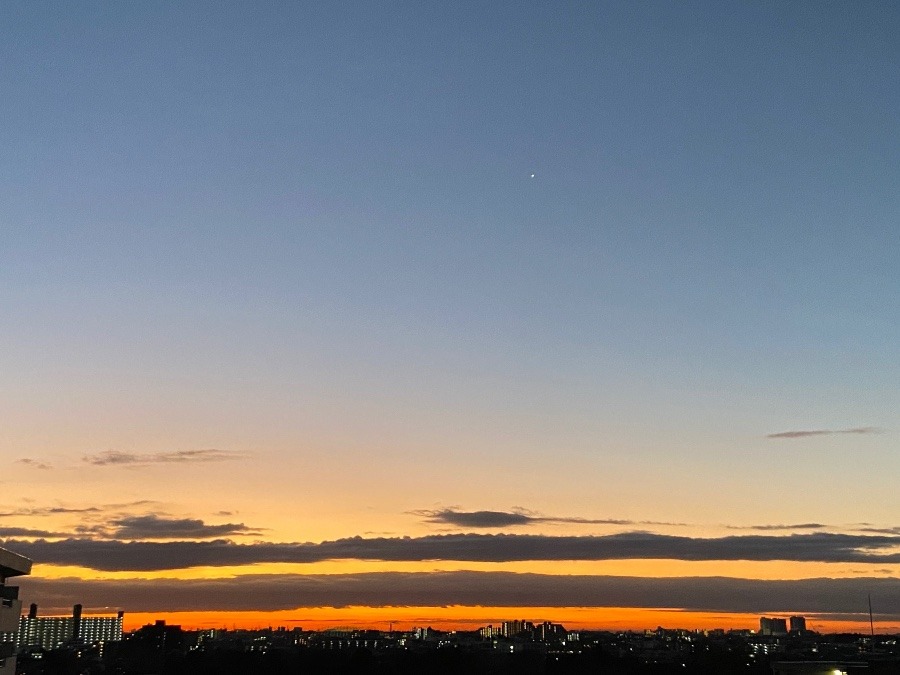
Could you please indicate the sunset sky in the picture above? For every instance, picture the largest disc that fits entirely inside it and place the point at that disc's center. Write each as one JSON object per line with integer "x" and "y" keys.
{"x": 341, "y": 313}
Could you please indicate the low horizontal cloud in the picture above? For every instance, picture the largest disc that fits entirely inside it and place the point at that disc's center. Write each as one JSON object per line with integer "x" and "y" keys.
{"x": 47, "y": 511}
{"x": 160, "y": 527}
{"x": 29, "y": 532}
{"x": 881, "y": 530}
{"x": 475, "y": 518}
{"x": 146, "y": 556}
{"x": 86, "y": 511}
{"x": 114, "y": 457}
{"x": 516, "y": 517}
{"x": 776, "y": 528}
{"x": 467, "y": 588}
{"x": 824, "y": 432}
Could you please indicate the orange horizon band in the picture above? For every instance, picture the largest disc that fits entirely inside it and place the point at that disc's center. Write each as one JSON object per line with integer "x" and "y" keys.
{"x": 471, "y": 618}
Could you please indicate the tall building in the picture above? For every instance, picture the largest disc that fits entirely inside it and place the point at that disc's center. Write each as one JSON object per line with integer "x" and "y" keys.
{"x": 45, "y": 632}
{"x": 11, "y": 565}
{"x": 548, "y": 631}
{"x": 510, "y": 629}
{"x": 769, "y": 626}
{"x": 51, "y": 632}
{"x": 798, "y": 624}
{"x": 96, "y": 629}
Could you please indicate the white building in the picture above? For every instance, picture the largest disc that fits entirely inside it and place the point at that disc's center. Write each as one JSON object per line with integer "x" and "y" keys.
{"x": 11, "y": 565}
{"x": 52, "y": 632}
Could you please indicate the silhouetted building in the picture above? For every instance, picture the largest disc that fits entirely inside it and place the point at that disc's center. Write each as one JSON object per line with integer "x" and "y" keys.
{"x": 488, "y": 631}
{"x": 548, "y": 632}
{"x": 11, "y": 565}
{"x": 798, "y": 624}
{"x": 510, "y": 629}
{"x": 159, "y": 636}
{"x": 772, "y": 626}
{"x": 76, "y": 622}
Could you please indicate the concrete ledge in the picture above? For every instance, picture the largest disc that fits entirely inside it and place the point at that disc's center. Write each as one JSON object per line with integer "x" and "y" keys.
{"x": 13, "y": 564}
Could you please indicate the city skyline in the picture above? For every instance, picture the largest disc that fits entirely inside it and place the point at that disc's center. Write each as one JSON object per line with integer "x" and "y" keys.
{"x": 389, "y": 311}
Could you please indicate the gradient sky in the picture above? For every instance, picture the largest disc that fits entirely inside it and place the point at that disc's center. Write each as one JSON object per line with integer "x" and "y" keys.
{"x": 300, "y": 272}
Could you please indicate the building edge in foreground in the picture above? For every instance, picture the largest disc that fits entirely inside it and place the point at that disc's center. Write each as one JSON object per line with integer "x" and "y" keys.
{"x": 11, "y": 565}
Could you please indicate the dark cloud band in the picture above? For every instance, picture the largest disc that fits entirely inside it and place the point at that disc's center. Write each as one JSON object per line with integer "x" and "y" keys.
{"x": 145, "y": 556}
{"x": 490, "y": 589}
{"x": 159, "y": 527}
{"x": 495, "y": 519}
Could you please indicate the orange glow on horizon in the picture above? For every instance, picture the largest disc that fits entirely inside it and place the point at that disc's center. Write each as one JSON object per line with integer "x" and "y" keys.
{"x": 471, "y": 618}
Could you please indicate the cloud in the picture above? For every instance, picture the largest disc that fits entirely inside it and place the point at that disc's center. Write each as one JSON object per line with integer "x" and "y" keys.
{"x": 28, "y": 532}
{"x": 35, "y": 464}
{"x": 881, "y": 530}
{"x": 112, "y": 521}
{"x": 475, "y": 518}
{"x": 824, "y": 432}
{"x": 467, "y": 588}
{"x": 516, "y": 517}
{"x": 156, "y": 527}
{"x": 775, "y": 528}
{"x": 113, "y": 457}
{"x": 83, "y": 510}
{"x": 47, "y": 511}
{"x": 146, "y": 556}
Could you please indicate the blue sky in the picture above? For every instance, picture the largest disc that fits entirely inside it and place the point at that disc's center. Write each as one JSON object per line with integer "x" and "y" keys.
{"x": 309, "y": 233}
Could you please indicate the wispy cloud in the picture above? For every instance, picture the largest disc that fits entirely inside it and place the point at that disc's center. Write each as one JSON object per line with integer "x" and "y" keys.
{"x": 147, "y": 555}
{"x": 777, "y": 528}
{"x": 881, "y": 530}
{"x": 47, "y": 511}
{"x": 56, "y": 510}
{"x": 468, "y": 588}
{"x": 516, "y": 517}
{"x": 824, "y": 432}
{"x": 114, "y": 457}
{"x": 35, "y": 464}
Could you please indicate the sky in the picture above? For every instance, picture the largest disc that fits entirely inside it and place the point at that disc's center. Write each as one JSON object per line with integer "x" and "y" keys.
{"x": 451, "y": 312}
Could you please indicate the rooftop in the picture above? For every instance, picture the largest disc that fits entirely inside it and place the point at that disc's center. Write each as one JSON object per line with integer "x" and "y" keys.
{"x": 13, "y": 564}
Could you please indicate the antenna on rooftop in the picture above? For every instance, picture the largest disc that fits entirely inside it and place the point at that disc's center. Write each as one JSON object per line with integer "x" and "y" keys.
{"x": 871, "y": 623}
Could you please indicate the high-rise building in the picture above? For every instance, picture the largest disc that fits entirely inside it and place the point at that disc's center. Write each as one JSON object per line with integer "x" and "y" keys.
{"x": 548, "y": 631}
{"x": 11, "y": 565}
{"x": 510, "y": 629}
{"x": 46, "y": 632}
{"x": 51, "y": 632}
{"x": 798, "y": 624}
{"x": 488, "y": 631}
{"x": 100, "y": 629}
{"x": 769, "y": 626}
